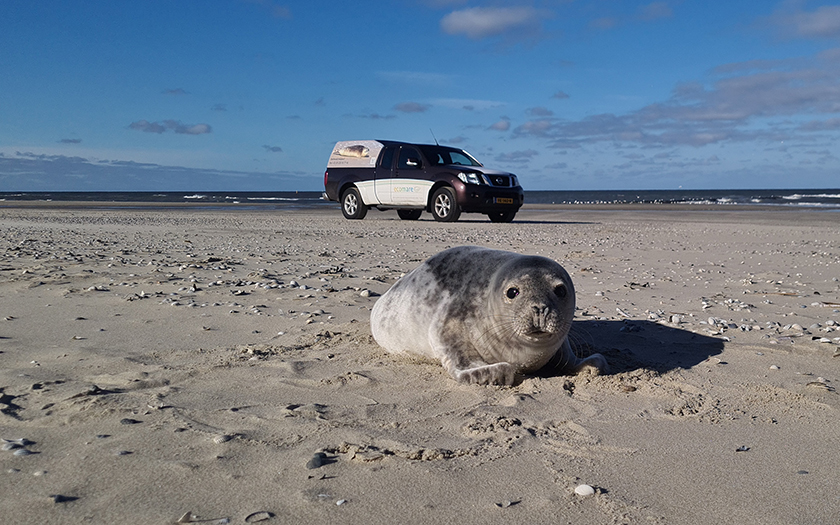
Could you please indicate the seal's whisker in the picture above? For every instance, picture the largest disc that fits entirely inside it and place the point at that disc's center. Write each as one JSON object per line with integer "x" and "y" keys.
{"x": 580, "y": 340}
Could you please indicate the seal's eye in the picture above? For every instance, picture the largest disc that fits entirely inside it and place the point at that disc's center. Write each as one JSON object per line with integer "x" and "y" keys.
{"x": 512, "y": 292}
{"x": 560, "y": 291}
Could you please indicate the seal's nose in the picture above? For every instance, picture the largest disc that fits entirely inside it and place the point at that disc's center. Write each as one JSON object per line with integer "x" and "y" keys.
{"x": 540, "y": 317}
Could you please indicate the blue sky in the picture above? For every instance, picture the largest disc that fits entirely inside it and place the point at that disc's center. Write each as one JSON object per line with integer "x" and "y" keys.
{"x": 250, "y": 95}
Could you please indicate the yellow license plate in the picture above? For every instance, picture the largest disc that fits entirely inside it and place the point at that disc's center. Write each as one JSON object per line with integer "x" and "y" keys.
{"x": 500, "y": 200}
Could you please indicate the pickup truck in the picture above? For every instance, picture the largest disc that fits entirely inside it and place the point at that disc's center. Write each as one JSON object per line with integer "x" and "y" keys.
{"x": 413, "y": 178}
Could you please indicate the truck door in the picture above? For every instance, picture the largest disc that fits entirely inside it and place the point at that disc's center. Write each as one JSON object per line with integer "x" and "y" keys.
{"x": 383, "y": 174}
{"x": 409, "y": 185}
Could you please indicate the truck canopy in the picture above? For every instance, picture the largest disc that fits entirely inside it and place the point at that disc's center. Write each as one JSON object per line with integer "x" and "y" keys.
{"x": 355, "y": 154}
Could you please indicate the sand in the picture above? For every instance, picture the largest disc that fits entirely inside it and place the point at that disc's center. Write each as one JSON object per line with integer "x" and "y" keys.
{"x": 204, "y": 365}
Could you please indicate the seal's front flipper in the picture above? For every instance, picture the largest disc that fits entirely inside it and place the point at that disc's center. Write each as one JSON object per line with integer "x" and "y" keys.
{"x": 475, "y": 371}
{"x": 495, "y": 374}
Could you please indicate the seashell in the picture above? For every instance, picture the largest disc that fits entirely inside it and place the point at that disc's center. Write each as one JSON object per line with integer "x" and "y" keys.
{"x": 317, "y": 460}
{"x": 341, "y": 502}
{"x": 60, "y": 498}
{"x": 258, "y": 516}
{"x": 186, "y": 518}
{"x": 23, "y": 452}
{"x": 223, "y": 438}
{"x": 584, "y": 490}
{"x": 365, "y": 293}
{"x": 12, "y": 444}
{"x": 507, "y": 503}
{"x": 774, "y": 367}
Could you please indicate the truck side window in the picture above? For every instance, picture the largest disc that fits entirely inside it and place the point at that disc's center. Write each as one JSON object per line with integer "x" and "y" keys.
{"x": 409, "y": 159}
{"x": 387, "y": 159}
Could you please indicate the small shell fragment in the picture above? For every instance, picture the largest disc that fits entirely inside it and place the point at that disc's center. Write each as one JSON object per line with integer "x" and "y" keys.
{"x": 222, "y": 438}
{"x": 507, "y": 503}
{"x": 317, "y": 460}
{"x": 584, "y": 490}
{"x": 258, "y": 516}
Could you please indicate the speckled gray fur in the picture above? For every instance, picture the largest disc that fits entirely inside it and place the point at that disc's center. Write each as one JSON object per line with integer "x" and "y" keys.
{"x": 459, "y": 307}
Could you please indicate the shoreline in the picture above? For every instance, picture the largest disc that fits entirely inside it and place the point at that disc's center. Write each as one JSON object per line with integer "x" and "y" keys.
{"x": 528, "y": 213}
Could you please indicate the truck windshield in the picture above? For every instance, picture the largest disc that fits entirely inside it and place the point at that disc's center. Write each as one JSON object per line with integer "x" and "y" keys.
{"x": 441, "y": 156}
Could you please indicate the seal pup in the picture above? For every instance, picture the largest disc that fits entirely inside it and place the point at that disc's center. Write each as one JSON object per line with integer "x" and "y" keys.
{"x": 485, "y": 314}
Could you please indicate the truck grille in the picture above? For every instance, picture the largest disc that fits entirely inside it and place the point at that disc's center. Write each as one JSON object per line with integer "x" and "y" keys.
{"x": 499, "y": 180}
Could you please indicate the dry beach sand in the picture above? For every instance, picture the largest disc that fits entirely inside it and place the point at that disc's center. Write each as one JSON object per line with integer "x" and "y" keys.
{"x": 216, "y": 366}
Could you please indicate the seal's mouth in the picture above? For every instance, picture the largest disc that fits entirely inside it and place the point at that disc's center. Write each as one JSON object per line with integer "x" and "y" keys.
{"x": 535, "y": 334}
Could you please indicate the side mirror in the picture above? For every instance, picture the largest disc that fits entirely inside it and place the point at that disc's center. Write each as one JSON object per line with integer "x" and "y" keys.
{"x": 414, "y": 163}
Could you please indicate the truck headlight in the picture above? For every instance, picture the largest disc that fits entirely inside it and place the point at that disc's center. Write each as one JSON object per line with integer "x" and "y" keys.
{"x": 471, "y": 178}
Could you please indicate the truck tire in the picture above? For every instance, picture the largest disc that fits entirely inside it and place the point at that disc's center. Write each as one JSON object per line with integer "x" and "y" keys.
{"x": 502, "y": 216}
{"x": 409, "y": 215}
{"x": 444, "y": 205}
{"x": 352, "y": 206}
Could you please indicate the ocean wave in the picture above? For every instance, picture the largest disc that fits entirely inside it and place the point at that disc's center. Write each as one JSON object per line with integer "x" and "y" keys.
{"x": 196, "y": 196}
{"x": 800, "y": 196}
{"x": 276, "y": 199}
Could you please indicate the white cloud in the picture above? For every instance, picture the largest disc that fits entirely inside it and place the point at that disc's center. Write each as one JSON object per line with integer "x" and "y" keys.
{"x": 823, "y": 22}
{"x": 483, "y": 22}
{"x": 173, "y": 125}
{"x": 27, "y": 171}
{"x": 737, "y": 105}
{"x": 412, "y": 107}
{"x": 539, "y": 111}
{"x": 520, "y": 157}
{"x": 414, "y": 77}
{"x": 501, "y": 125}
{"x": 466, "y": 103}
{"x": 275, "y": 9}
{"x": 655, "y": 10}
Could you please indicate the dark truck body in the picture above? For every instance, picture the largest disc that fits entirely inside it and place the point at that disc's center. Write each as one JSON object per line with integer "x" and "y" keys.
{"x": 413, "y": 178}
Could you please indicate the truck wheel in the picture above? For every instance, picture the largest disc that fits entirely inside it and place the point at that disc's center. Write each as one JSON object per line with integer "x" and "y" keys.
{"x": 352, "y": 205}
{"x": 444, "y": 206}
{"x": 409, "y": 215}
{"x": 502, "y": 216}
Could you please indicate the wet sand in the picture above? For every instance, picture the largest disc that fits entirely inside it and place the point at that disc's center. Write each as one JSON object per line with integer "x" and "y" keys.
{"x": 201, "y": 363}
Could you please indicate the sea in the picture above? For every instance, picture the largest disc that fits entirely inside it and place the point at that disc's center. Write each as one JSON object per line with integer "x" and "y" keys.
{"x": 819, "y": 199}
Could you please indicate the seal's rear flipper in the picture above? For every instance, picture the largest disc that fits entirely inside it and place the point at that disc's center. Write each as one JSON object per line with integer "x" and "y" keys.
{"x": 596, "y": 361}
{"x": 565, "y": 362}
